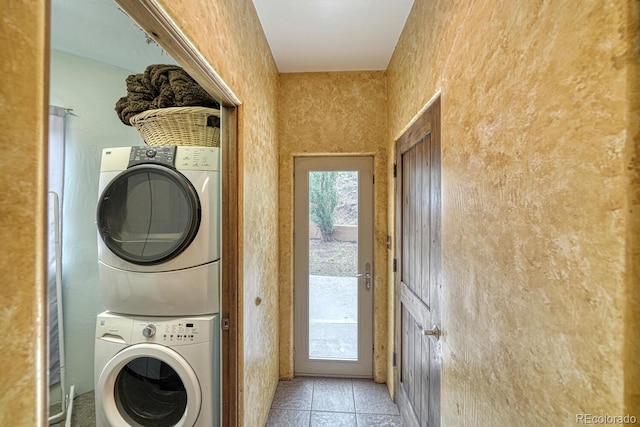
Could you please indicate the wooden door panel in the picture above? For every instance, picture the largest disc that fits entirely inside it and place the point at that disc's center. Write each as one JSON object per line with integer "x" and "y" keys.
{"x": 425, "y": 411}
{"x": 419, "y": 274}
{"x": 425, "y": 220}
{"x": 405, "y": 262}
{"x": 406, "y": 367}
{"x": 416, "y": 222}
{"x": 413, "y": 255}
{"x": 416, "y": 367}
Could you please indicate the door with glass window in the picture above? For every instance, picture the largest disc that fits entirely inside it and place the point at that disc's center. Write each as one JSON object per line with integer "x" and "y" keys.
{"x": 333, "y": 266}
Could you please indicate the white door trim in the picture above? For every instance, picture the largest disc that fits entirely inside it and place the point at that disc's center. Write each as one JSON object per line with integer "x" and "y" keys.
{"x": 303, "y": 365}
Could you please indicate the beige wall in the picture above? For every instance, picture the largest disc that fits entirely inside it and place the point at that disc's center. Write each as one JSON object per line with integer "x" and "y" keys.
{"x": 536, "y": 164}
{"x": 23, "y": 110}
{"x": 632, "y": 157}
{"x": 229, "y": 35}
{"x": 332, "y": 113}
{"x": 244, "y": 61}
{"x": 540, "y": 198}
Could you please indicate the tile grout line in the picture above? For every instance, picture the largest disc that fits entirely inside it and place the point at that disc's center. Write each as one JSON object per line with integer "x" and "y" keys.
{"x": 313, "y": 390}
{"x": 353, "y": 396}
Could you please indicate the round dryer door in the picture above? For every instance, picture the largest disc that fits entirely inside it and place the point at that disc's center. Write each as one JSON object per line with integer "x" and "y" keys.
{"x": 148, "y": 214}
{"x": 149, "y": 385}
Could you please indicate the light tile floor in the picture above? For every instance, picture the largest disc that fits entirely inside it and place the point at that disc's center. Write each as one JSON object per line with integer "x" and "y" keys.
{"x": 332, "y": 402}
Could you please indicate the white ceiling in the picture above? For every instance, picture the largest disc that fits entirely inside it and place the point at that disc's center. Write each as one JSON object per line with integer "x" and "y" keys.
{"x": 99, "y": 30}
{"x": 332, "y": 35}
{"x": 304, "y": 35}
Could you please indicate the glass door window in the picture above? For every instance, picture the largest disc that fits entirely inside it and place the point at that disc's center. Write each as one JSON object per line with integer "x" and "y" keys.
{"x": 333, "y": 263}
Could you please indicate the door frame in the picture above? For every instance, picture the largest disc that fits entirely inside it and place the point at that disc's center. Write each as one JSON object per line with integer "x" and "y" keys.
{"x": 342, "y": 368}
{"x": 159, "y": 25}
{"x": 426, "y": 121}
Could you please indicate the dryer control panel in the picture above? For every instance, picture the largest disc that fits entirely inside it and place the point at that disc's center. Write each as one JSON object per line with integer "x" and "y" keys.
{"x": 193, "y": 158}
{"x": 152, "y": 155}
{"x": 198, "y": 158}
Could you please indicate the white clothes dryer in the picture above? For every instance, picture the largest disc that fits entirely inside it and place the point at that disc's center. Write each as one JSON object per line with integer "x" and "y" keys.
{"x": 158, "y": 220}
{"x": 157, "y": 371}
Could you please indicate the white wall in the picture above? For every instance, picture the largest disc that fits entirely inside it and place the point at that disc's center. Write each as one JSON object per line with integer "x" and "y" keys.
{"x": 91, "y": 90}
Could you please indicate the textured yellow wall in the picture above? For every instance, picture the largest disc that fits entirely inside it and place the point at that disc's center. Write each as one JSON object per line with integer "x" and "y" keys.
{"x": 330, "y": 113}
{"x": 229, "y": 35}
{"x": 540, "y": 196}
{"x": 538, "y": 244}
{"x": 23, "y": 114}
{"x": 632, "y": 154}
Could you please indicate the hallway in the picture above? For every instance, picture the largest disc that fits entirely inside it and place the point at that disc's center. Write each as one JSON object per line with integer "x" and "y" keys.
{"x": 334, "y": 402}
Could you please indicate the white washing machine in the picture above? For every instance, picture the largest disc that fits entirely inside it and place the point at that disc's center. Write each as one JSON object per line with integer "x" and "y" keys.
{"x": 157, "y": 371}
{"x": 158, "y": 220}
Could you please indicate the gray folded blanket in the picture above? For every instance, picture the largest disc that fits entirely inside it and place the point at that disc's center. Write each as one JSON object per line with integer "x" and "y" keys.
{"x": 161, "y": 86}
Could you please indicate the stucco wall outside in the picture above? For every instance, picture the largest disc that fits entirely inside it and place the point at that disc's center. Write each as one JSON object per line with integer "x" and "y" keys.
{"x": 23, "y": 109}
{"x": 535, "y": 207}
{"x": 229, "y": 35}
{"x": 332, "y": 113}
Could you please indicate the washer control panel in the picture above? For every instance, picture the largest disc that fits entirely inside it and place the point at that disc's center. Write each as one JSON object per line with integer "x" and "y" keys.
{"x": 184, "y": 331}
{"x": 170, "y": 331}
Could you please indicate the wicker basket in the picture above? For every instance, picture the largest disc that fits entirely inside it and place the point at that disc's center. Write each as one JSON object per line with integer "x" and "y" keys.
{"x": 178, "y": 126}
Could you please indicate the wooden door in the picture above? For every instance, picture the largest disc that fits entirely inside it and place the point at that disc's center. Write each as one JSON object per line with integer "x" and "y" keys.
{"x": 418, "y": 270}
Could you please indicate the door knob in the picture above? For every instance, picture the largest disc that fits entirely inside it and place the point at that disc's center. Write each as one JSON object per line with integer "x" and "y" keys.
{"x": 433, "y": 332}
{"x": 366, "y": 274}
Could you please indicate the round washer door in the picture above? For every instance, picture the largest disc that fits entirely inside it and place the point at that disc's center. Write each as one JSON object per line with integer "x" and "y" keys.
{"x": 148, "y": 214}
{"x": 149, "y": 385}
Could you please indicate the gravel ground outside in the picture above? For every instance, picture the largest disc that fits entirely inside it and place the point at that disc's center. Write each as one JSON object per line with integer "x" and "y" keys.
{"x": 338, "y": 259}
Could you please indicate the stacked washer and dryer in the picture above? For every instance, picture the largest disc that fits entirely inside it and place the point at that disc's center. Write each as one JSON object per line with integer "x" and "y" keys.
{"x": 157, "y": 350}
